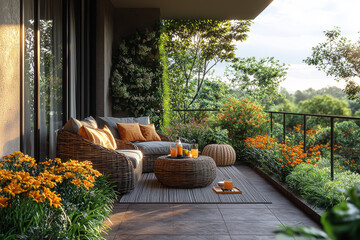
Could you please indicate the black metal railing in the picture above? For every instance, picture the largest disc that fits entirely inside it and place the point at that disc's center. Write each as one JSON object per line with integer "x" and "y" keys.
{"x": 284, "y": 114}
{"x": 305, "y": 115}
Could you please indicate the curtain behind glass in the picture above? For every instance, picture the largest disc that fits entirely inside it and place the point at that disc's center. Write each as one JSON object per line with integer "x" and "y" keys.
{"x": 72, "y": 61}
{"x": 29, "y": 108}
{"x": 51, "y": 91}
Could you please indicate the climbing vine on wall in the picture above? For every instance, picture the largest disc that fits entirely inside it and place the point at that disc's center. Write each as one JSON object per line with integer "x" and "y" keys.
{"x": 136, "y": 78}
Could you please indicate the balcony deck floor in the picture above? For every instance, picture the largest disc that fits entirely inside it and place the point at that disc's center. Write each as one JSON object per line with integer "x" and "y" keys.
{"x": 207, "y": 221}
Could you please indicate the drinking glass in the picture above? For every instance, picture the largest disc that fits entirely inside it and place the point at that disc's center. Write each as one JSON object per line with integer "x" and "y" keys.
{"x": 228, "y": 184}
{"x": 194, "y": 150}
{"x": 173, "y": 150}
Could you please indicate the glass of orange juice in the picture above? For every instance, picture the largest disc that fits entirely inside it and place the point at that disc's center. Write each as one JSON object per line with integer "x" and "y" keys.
{"x": 194, "y": 150}
{"x": 173, "y": 150}
{"x": 228, "y": 184}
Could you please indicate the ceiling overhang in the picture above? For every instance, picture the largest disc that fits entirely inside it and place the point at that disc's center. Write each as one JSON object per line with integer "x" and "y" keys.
{"x": 200, "y": 9}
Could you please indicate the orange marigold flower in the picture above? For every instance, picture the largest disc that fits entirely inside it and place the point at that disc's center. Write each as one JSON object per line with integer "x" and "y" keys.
{"x": 4, "y": 201}
{"x": 88, "y": 184}
{"x": 77, "y": 182}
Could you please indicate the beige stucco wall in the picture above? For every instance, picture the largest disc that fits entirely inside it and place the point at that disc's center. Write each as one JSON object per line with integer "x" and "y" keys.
{"x": 9, "y": 76}
{"x": 104, "y": 43}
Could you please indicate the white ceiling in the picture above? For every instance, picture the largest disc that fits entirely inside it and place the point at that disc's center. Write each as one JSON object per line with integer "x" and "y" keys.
{"x": 200, "y": 9}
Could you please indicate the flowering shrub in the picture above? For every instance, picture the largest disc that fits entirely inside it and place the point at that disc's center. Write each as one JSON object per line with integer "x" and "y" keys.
{"x": 281, "y": 158}
{"x": 54, "y": 196}
{"x": 197, "y": 132}
{"x": 242, "y": 118}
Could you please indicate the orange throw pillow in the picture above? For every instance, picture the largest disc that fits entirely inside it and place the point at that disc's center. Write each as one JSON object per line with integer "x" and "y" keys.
{"x": 102, "y": 137}
{"x": 130, "y": 132}
{"x": 149, "y": 132}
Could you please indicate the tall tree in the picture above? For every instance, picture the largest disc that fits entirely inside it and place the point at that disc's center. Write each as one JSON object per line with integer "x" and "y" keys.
{"x": 193, "y": 48}
{"x": 259, "y": 79}
{"x": 339, "y": 57}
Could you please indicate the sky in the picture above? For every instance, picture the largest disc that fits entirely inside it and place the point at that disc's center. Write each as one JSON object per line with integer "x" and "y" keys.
{"x": 288, "y": 29}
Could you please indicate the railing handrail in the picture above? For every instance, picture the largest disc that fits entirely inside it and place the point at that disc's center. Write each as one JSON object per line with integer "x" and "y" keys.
{"x": 315, "y": 115}
{"x": 192, "y": 110}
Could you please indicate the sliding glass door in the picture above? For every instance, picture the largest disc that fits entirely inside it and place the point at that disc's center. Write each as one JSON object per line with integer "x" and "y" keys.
{"x": 56, "y": 70}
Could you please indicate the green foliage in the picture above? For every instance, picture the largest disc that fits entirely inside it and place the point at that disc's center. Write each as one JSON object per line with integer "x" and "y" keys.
{"x": 258, "y": 79}
{"x": 325, "y": 104}
{"x": 136, "y": 79}
{"x": 310, "y": 93}
{"x": 87, "y": 211}
{"x": 193, "y": 48}
{"x": 314, "y": 184}
{"x": 340, "y": 222}
{"x": 340, "y": 58}
{"x": 347, "y": 135}
{"x": 202, "y": 133}
{"x": 166, "y": 116}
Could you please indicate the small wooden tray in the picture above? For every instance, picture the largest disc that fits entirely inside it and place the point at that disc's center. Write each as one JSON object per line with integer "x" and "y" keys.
{"x": 219, "y": 190}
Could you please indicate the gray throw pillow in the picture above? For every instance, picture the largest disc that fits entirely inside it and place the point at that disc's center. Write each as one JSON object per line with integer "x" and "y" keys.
{"x": 73, "y": 125}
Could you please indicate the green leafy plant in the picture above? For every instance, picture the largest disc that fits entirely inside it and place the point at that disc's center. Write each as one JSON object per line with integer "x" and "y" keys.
{"x": 340, "y": 222}
{"x": 314, "y": 184}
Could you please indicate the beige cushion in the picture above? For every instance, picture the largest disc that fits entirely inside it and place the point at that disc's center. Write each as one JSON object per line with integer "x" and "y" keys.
{"x": 102, "y": 137}
{"x": 135, "y": 156}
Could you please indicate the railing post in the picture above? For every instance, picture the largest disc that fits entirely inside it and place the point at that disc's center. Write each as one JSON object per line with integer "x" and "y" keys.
{"x": 332, "y": 146}
{"x": 304, "y": 133}
{"x": 271, "y": 125}
{"x": 284, "y": 127}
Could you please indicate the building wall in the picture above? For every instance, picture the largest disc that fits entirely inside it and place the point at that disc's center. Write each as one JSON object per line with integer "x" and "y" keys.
{"x": 9, "y": 76}
{"x": 128, "y": 20}
{"x": 104, "y": 43}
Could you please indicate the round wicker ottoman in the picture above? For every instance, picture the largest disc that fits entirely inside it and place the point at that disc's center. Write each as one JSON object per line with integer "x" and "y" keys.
{"x": 185, "y": 173}
{"x": 223, "y": 154}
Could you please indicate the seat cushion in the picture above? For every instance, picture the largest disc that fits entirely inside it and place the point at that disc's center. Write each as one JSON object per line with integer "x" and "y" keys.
{"x": 135, "y": 156}
{"x": 156, "y": 147}
{"x": 111, "y": 123}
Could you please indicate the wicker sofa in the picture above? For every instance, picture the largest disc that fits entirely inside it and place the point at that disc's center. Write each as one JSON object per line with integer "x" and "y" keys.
{"x": 151, "y": 150}
{"x": 120, "y": 165}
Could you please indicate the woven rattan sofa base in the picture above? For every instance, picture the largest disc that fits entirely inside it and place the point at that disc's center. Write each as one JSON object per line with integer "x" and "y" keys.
{"x": 185, "y": 173}
{"x": 116, "y": 165}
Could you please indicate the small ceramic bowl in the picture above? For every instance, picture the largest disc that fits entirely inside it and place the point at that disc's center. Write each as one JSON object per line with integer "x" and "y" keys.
{"x": 221, "y": 183}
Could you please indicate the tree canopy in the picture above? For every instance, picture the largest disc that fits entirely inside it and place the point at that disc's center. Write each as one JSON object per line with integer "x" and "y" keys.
{"x": 325, "y": 104}
{"x": 193, "y": 48}
{"x": 338, "y": 57}
{"x": 259, "y": 79}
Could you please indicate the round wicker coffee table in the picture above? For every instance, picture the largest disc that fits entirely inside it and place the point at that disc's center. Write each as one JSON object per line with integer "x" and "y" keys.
{"x": 185, "y": 173}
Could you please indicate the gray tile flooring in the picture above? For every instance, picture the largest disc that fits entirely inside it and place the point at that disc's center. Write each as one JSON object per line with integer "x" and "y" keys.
{"x": 207, "y": 221}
